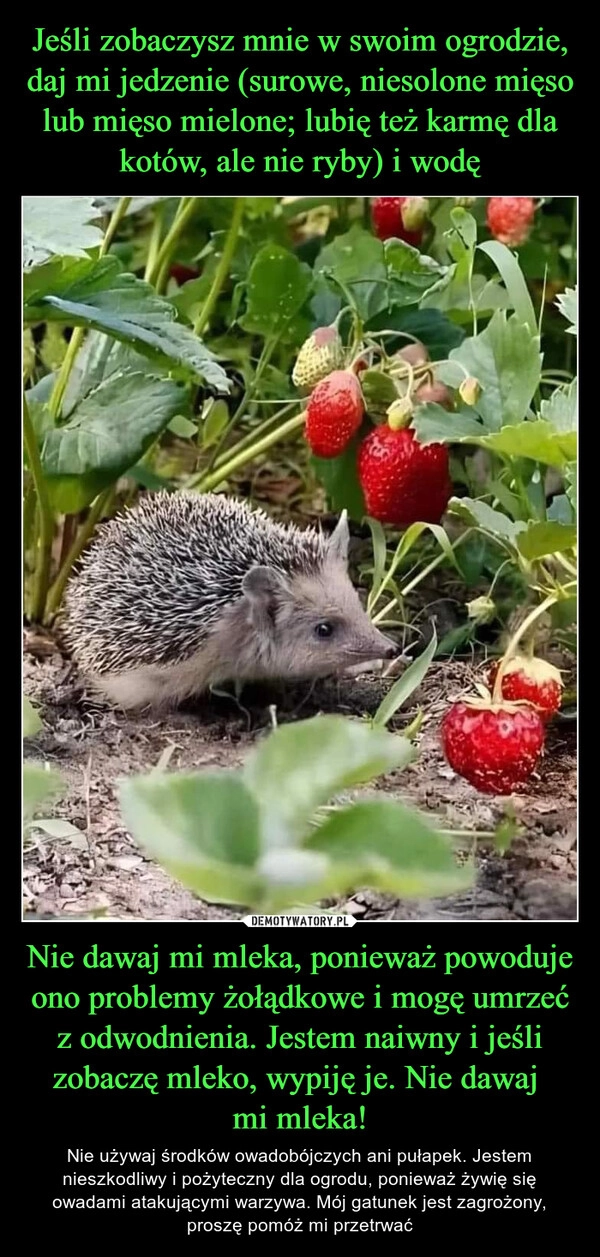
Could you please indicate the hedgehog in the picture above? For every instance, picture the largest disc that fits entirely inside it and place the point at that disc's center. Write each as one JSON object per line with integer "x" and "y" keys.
{"x": 185, "y": 591}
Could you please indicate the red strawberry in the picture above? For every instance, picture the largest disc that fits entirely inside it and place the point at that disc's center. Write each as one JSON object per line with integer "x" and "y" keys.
{"x": 386, "y": 215}
{"x": 510, "y": 218}
{"x": 494, "y": 745}
{"x": 531, "y": 681}
{"x": 403, "y": 482}
{"x": 333, "y": 414}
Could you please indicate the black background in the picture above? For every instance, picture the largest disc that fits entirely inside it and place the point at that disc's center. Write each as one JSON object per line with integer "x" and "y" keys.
{"x": 547, "y": 1124}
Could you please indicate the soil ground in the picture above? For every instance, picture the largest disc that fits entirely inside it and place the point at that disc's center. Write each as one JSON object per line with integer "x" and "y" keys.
{"x": 100, "y": 872}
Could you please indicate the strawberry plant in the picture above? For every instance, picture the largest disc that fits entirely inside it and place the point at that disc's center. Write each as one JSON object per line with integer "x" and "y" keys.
{"x": 409, "y": 361}
{"x": 400, "y": 397}
{"x": 263, "y": 837}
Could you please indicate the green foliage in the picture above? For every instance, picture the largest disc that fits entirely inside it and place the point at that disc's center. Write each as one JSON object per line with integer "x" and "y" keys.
{"x": 567, "y": 304}
{"x": 120, "y": 385}
{"x": 257, "y": 837}
{"x": 406, "y": 684}
{"x": 106, "y": 433}
{"x": 58, "y": 225}
{"x": 278, "y": 286}
{"x": 128, "y": 309}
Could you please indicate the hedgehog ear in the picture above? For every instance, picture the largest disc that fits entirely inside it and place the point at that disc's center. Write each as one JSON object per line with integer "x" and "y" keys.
{"x": 338, "y": 542}
{"x": 262, "y": 587}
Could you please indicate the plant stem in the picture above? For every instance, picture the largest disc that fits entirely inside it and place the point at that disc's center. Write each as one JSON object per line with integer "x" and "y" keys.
{"x": 564, "y": 563}
{"x": 267, "y": 350}
{"x": 207, "y": 482}
{"x": 154, "y": 243}
{"x": 46, "y": 519}
{"x": 97, "y": 509}
{"x": 29, "y": 500}
{"x": 222, "y": 270}
{"x": 256, "y": 433}
{"x": 511, "y": 649}
{"x": 118, "y": 213}
{"x": 60, "y": 384}
{"x": 419, "y": 577}
{"x": 185, "y": 210}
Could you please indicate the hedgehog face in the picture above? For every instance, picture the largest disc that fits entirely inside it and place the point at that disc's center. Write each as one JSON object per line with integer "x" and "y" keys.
{"x": 311, "y": 625}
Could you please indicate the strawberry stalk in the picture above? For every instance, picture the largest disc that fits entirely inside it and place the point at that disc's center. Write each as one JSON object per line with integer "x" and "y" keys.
{"x": 517, "y": 637}
{"x": 212, "y": 481}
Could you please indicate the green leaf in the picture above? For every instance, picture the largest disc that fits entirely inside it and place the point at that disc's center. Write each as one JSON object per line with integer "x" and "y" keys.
{"x": 39, "y": 783}
{"x": 564, "y": 613}
{"x": 378, "y": 276}
{"x": 129, "y": 310}
{"x": 471, "y": 557}
{"x": 356, "y": 259}
{"x": 567, "y": 304}
{"x": 31, "y": 719}
{"x": 505, "y": 358}
{"x": 379, "y": 390}
{"x": 315, "y": 759}
{"x": 387, "y": 846}
{"x": 99, "y": 358}
{"x": 560, "y": 509}
{"x": 546, "y": 537}
{"x": 455, "y": 638}
{"x": 406, "y": 684}
{"x": 142, "y": 474}
{"x": 106, "y": 434}
{"x": 560, "y": 409}
{"x": 411, "y": 273}
{"x": 513, "y": 277}
{"x": 571, "y": 484}
{"x": 54, "y": 276}
{"x": 433, "y": 423}
{"x": 188, "y": 299}
{"x": 378, "y": 541}
{"x": 438, "y": 333}
{"x": 278, "y": 285}
{"x": 465, "y": 225}
{"x": 339, "y": 476}
{"x": 182, "y": 427}
{"x": 214, "y": 422}
{"x": 483, "y": 516}
{"x": 203, "y": 827}
{"x": 509, "y": 501}
{"x": 58, "y": 225}
{"x": 535, "y": 439}
{"x": 453, "y": 293}
{"x": 408, "y": 540}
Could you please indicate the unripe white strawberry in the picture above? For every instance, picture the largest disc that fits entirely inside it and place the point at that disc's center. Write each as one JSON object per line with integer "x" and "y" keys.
{"x": 322, "y": 353}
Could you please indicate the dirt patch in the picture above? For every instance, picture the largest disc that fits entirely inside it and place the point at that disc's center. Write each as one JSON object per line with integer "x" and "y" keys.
{"x": 101, "y": 872}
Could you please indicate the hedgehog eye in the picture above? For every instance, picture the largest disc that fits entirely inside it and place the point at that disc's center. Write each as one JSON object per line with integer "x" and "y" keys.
{"x": 324, "y": 629}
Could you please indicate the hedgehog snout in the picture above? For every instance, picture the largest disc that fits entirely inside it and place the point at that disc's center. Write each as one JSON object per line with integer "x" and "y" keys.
{"x": 375, "y": 645}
